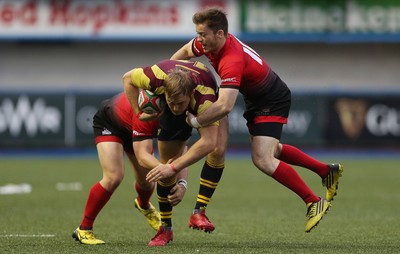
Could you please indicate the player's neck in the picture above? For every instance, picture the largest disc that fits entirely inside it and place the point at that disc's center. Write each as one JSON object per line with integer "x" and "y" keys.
{"x": 221, "y": 44}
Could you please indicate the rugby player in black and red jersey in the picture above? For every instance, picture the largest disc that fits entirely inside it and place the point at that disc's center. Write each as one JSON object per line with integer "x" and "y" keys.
{"x": 117, "y": 130}
{"x": 267, "y": 100}
{"x": 187, "y": 86}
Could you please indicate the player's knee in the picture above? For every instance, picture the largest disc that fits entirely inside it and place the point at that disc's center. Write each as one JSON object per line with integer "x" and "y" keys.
{"x": 217, "y": 156}
{"x": 265, "y": 165}
{"x": 113, "y": 181}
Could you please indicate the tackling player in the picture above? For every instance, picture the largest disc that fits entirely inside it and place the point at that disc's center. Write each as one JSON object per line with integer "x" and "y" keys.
{"x": 267, "y": 100}
{"x": 117, "y": 130}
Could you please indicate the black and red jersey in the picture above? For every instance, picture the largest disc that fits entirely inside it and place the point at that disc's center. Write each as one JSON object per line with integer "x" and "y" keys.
{"x": 238, "y": 65}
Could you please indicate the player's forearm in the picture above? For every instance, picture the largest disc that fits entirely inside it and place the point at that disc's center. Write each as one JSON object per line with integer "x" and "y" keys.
{"x": 183, "y": 174}
{"x": 214, "y": 113}
{"x": 196, "y": 152}
{"x": 148, "y": 161}
{"x": 184, "y": 53}
{"x": 144, "y": 153}
{"x": 132, "y": 94}
{"x": 219, "y": 109}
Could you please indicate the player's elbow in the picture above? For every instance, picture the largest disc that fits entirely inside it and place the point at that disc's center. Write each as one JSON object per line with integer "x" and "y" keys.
{"x": 141, "y": 161}
{"x": 126, "y": 78}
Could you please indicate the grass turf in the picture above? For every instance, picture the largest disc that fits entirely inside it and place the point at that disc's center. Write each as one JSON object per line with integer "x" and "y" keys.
{"x": 252, "y": 213}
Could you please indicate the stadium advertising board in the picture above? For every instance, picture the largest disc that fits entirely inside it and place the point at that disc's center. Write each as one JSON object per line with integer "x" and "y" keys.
{"x": 363, "y": 121}
{"x": 315, "y": 20}
{"x": 65, "y": 120}
{"x": 306, "y": 119}
{"x": 103, "y": 19}
{"x": 51, "y": 120}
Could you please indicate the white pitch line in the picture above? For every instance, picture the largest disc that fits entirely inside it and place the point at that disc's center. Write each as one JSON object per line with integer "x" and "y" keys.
{"x": 23, "y": 235}
{"x": 74, "y": 186}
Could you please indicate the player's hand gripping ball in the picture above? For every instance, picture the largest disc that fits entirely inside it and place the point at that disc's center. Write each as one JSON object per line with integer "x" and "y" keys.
{"x": 149, "y": 102}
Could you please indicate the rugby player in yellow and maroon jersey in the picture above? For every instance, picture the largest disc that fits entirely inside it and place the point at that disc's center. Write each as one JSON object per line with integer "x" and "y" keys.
{"x": 267, "y": 100}
{"x": 187, "y": 86}
{"x": 117, "y": 130}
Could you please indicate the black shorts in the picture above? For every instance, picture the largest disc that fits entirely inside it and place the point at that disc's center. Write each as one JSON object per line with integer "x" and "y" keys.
{"x": 172, "y": 127}
{"x": 106, "y": 127}
{"x": 266, "y": 114}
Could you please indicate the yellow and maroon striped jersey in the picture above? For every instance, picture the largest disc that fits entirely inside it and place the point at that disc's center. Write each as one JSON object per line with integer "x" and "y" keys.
{"x": 152, "y": 78}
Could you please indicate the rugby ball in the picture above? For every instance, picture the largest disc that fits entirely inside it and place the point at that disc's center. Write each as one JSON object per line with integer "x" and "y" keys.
{"x": 149, "y": 102}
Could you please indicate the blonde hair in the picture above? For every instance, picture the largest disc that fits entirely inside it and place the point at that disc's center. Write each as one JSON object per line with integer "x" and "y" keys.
{"x": 178, "y": 82}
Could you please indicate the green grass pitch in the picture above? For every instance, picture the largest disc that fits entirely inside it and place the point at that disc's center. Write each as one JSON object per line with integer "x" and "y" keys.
{"x": 252, "y": 213}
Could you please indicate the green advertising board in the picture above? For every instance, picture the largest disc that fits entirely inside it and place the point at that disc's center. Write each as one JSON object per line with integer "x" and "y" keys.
{"x": 326, "y": 21}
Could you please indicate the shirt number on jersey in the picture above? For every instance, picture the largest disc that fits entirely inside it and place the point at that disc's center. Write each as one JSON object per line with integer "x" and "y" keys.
{"x": 251, "y": 52}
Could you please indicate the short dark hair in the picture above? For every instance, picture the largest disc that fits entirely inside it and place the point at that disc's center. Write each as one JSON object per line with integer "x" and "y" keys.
{"x": 214, "y": 18}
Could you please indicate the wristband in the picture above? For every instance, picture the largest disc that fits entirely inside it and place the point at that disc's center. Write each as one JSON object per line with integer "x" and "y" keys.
{"x": 173, "y": 167}
{"x": 195, "y": 123}
{"x": 182, "y": 182}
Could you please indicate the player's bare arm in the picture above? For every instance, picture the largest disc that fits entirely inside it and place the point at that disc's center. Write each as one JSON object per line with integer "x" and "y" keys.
{"x": 131, "y": 91}
{"x": 203, "y": 146}
{"x": 219, "y": 109}
{"x": 179, "y": 190}
{"x": 184, "y": 53}
{"x": 144, "y": 153}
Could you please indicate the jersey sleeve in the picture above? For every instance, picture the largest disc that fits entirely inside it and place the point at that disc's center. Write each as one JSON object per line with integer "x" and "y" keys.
{"x": 197, "y": 48}
{"x": 140, "y": 79}
{"x": 150, "y": 77}
{"x": 230, "y": 70}
{"x": 203, "y": 98}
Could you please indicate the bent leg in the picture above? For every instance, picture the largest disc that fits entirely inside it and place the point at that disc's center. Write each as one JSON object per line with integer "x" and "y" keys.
{"x": 111, "y": 160}
{"x": 143, "y": 187}
{"x": 294, "y": 156}
{"x": 213, "y": 168}
{"x": 263, "y": 151}
{"x": 167, "y": 150}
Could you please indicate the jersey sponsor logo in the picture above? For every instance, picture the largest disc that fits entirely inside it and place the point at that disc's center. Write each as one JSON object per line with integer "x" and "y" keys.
{"x": 136, "y": 133}
{"x": 229, "y": 80}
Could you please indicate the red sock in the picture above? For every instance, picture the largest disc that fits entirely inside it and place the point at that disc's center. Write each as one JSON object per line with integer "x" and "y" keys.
{"x": 98, "y": 198}
{"x": 295, "y": 156}
{"x": 143, "y": 196}
{"x": 287, "y": 176}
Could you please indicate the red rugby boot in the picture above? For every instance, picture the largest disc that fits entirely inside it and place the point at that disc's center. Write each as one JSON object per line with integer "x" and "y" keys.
{"x": 162, "y": 238}
{"x": 200, "y": 221}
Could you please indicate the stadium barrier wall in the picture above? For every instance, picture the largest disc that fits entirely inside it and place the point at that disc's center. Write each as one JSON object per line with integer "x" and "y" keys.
{"x": 64, "y": 120}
